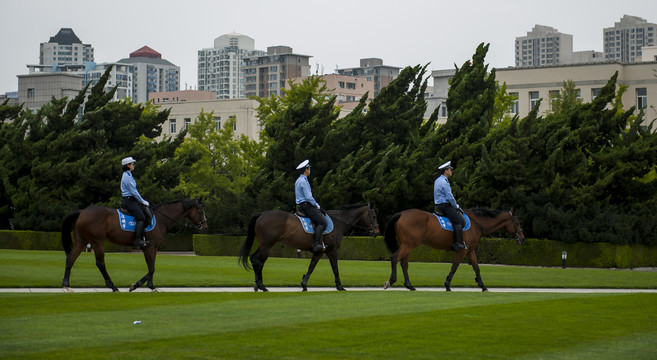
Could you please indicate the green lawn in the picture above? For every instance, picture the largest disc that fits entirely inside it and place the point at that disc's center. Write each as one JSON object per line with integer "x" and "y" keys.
{"x": 319, "y": 325}
{"x": 46, "y": 269}
{"x": 328, "y": 325}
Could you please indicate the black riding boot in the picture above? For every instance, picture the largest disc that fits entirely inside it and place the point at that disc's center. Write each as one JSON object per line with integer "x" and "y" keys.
{"x": 139, "y": 235}
{"x": 317, "y": 243}
{"x": 458, "y": 238}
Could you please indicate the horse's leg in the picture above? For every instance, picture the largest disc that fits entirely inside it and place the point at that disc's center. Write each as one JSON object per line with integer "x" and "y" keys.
{"x": 99, "y": 250}
{"x": 333, "y": 259}
{"x": 393, "y": 272}
{"x": 403, "y": 255}
{"x": 149, "y": 255}
{"x": 472, "y": 256}
{"x": 404, "y": 265}
{"x": 258, "y": 262}
{"x": 311, "y": 268}
{"x": 70, "y": 261}
{"x": 458, "y": 257}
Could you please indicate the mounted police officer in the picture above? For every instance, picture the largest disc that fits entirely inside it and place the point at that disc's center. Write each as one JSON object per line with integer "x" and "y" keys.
{"x": 132, "y": 200}
{"x": 444, "y": 201}
{"x": 307, "y": 204}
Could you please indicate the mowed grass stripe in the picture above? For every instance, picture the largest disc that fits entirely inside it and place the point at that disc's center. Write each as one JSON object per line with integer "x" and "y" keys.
{"x": 27, "y": 269}
{"x": 325, "y": 325}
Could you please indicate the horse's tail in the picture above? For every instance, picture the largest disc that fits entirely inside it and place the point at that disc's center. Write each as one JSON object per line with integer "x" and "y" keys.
{"x": 391, "y": 235}
{"x": 248, "y": 243}
{"x": 67, "y": 226}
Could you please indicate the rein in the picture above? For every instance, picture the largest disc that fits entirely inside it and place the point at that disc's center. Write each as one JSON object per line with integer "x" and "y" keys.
{"x": 369, "y": 229}
{"x": 199, "y": 223}
{"x": 514, "y": 220}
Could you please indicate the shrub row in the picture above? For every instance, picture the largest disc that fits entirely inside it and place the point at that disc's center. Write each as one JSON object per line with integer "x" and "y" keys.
{"x": 533, "y": 252}
{"x": 41, "y": 240}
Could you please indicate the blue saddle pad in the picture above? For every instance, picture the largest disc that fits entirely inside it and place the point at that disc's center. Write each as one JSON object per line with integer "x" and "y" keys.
{"x": 308, "y": 225}
{"x": 128, "y": 222}
{"x": 447, "y": 225}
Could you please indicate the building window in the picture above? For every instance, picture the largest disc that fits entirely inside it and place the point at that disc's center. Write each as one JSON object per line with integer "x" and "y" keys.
{"x": 188, "y": 122}
{"x": 533, "y": 99}
{"x": 641, "y": 98}
{"x": 595, "y": 92}
{"x": 351, "y": 86}
{"x": 554, "y": 94}
{"x": 30, "y": 93}
{"x": 172, "y": 126}
{"x": 443, "y": 110}
{"x": 341, "y": 84}
{"x": 217, "y": 121}
{"x": 514, "y": 103}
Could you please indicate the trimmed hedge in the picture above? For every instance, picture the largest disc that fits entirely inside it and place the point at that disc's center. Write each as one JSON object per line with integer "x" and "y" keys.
{"x": 41, "y": 240}
{"x": 533, "y": 252}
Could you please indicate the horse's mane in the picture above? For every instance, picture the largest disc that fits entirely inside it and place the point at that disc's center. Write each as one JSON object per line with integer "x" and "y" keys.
{"x": 486, "y": 212}
{"x": 352, "y": 206}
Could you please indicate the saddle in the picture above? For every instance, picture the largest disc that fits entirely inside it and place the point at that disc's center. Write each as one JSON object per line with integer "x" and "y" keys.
{"x": 307, "y": 224}
{"x": 128, "y": 223}
{"x": 446, "y": 224}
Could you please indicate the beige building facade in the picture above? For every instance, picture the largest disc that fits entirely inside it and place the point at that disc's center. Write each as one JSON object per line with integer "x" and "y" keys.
{"x": 531, "y": 84}
{"x": 36, "y": 90}
{"x": 158, "y": 98}
{"x": 185, "y": 113}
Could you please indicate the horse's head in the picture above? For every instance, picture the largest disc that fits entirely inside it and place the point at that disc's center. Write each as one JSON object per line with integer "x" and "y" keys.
{"x": 513, "y": 227}
{"x": 197, "y": 216}
{"x": 370, "y": 221}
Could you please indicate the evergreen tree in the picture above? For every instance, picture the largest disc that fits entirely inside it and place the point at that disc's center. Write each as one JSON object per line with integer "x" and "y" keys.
{"x": 54, "y": 163}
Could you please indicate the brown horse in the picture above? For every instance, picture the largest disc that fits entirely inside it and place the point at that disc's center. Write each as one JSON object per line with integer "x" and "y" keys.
{"x": 273, "y": 226}
{"x": 96, "y": 224}
{"x": 414, "y": 227}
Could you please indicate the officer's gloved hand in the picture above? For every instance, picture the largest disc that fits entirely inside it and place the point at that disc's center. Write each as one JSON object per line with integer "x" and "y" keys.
{"x": 146, "y": 203}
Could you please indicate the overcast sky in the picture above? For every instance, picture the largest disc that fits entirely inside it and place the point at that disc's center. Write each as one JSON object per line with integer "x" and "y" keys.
{"x": 335, "y": 33}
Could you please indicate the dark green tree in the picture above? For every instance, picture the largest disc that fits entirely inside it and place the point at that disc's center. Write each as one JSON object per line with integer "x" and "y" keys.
{"x": 54, "y": 162}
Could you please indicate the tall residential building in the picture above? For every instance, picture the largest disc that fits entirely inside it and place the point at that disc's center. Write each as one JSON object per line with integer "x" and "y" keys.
{"x": 65, "y": 50}
{"x": 546, "y": 46}
{"x": 542, "y": 46}
{"x": 623, "y": 41}
{"x": 374, "y": 70}
{"x": 265, "y": 75}
{"x": 220, "y": 67}
{"x": 151, "y": 73}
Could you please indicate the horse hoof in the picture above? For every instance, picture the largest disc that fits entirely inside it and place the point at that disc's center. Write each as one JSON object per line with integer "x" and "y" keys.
{"x": 340, "y": 288}
{"x": 68, "y": 289}
{"x": 155, "y": 290}
{"x": 409, "y": 287}
{"x": 115, "y": 290}
{"x": 133, "y": 288}
{"x": 484, "y": 290}
{"x": 255, "y": 288}
{"x": 386, "y": 285}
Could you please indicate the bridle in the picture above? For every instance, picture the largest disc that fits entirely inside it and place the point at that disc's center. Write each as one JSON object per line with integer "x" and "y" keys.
{"x": 200, "y": 212}
{"x": 516, "y": 225}
{"x": 200, "y": 216}
{"x": 371, "y": 217}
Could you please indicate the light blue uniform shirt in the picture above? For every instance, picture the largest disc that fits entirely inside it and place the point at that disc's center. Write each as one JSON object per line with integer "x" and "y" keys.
{"x": 129, "y": 186}
{"x": 303, "y": 192}
{"x": 442, "y": 192}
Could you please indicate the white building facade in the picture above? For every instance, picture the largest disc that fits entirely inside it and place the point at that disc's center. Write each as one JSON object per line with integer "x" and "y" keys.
{"x": 65, "y": 49}
{"x": 220, "y": 68}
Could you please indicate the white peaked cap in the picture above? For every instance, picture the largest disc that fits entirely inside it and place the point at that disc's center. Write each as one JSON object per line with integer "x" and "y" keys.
{"x": 303, "y": 164}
